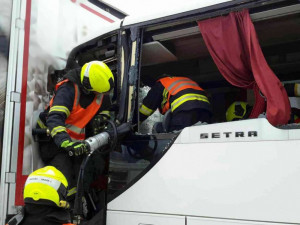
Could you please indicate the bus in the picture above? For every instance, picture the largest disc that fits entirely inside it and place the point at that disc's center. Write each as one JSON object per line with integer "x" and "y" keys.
{"x": 238, "y": 172}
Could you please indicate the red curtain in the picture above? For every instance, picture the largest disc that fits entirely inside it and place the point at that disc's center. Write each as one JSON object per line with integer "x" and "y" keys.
{"x": 234, "y": 47}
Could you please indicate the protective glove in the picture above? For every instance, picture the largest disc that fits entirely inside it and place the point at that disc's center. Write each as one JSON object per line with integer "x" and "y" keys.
{"x": 74, "y": 148}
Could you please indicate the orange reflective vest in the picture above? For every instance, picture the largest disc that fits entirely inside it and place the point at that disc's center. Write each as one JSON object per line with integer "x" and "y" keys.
{"x": 173, "y": 85}
{"x": 79, "y": 117}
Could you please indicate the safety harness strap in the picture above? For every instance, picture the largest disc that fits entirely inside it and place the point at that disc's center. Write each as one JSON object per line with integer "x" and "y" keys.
{"x": 17, "y": 219}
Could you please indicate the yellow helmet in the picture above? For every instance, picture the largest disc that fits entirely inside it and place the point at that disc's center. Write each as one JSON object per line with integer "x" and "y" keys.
{"x": 238, "y": 110}
{"x": 47, "y": 186}
{"x": 96, "y": 76}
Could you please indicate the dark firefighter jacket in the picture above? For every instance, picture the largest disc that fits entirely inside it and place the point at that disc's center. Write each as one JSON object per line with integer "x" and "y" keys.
{"x": 33, "y": 214}
{"x": 176, "y": 93}
{"x": 71, "y": 109}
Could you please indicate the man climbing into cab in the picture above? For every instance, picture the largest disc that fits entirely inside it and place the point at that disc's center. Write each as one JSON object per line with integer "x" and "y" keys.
{"x": 184, "y": 100}
{"x": 79, "y": 97}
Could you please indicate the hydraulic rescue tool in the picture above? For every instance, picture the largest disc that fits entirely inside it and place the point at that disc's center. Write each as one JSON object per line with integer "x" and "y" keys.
{"x": 104, "y": 139}
{"x": 109, "y": 136}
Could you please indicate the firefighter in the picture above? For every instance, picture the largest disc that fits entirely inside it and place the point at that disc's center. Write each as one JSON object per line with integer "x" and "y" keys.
{"x": 45, "y": 195}
{"x": 186, "y": 100}
{"x": 293, "y": 90}
{"x": 238, "y": 110}
{"x": 82, "y": 94}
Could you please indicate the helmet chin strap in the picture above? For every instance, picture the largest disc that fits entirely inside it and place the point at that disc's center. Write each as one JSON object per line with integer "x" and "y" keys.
{"x": 85, "y": 91}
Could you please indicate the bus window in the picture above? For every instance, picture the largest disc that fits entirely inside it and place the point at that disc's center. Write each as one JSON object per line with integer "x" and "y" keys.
{"x": 134, "y": 158}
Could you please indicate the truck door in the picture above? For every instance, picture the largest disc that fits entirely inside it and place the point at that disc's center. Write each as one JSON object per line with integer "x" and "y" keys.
{"x": 17, "y": 61}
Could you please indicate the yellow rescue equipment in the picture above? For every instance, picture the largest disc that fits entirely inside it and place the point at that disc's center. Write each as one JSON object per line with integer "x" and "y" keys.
{"x": 96, "y": 76}
{"x": 46, "y": 186}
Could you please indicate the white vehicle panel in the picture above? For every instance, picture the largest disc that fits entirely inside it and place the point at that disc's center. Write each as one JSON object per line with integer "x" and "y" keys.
{"x": 232, "y": 131}
{"x": 131, "y": 218}
{"x": 207, "y": 221}
{"x": 132, "y": 19}
{"x": 172, "y": 10}
{"x": 251, "y": 180}
{"x": 102, "y": 30}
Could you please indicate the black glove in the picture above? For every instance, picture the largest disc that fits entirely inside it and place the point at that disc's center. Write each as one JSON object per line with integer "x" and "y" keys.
{"x": 74, "y": 148}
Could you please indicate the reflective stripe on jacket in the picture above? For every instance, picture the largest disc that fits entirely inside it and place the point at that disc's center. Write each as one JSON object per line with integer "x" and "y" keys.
{"x": 17, "y": 219}
{"x": 174, "y": 85}
{"x": 79, "y": 117}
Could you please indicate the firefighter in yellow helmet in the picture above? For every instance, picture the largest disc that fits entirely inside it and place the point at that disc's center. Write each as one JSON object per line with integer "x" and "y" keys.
{"x": 45, "y": 195}
{"x": 293, "y": 90}
{"x": 238, "y": 111}
{"x": 79, "y": 97}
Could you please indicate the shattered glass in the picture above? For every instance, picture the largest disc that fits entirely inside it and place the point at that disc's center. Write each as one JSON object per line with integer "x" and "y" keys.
{"x": 147, "y": 125}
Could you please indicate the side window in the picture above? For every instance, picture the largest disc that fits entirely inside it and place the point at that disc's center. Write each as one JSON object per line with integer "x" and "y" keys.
{"x": 134, "y": 158}
{"x": 154, "y": 56}
{"x": 102, "y": 49}
{"x": 178, "y": 49}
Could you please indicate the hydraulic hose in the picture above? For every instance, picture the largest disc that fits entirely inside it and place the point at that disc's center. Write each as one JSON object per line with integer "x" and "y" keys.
{"x": 78, "y": 210}
{"x": 94, "y": 143}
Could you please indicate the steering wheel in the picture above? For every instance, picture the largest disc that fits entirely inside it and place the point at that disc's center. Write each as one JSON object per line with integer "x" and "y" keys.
{"x": 146, "y": 153}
